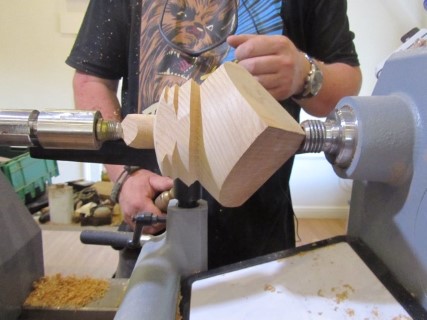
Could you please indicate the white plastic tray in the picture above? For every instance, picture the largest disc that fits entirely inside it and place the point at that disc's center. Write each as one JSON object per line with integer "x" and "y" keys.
{"x": 330, "y": 282}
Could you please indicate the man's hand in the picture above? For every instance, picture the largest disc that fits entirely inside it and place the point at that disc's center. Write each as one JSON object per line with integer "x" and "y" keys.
{"x": 281, "y": 68}
{"x": 138, "y": 193}
{"x": 274, "y": 61}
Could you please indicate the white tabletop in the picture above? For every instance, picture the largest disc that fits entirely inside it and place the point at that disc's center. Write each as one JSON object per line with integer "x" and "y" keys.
{"x": 330, "y": 282}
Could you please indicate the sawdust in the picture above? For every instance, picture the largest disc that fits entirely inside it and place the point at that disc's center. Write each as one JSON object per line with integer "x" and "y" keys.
{"x": 350, "y": 312}
{"x": 402, "y": 317}
{"x": 341, "y": 296}
{"x": 178, "y": 315}
{"x": 66, "y": 291}
{"x": 269, "y": 287}
{"x": 343, "y": 293}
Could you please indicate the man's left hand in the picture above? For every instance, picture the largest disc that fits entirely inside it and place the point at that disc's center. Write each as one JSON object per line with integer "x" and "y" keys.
{"x": 274, "y": 61}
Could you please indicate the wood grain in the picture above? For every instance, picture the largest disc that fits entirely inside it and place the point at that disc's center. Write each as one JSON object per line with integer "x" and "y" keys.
{"x": 138, "y": 131}
{"x": 228, "y": 133}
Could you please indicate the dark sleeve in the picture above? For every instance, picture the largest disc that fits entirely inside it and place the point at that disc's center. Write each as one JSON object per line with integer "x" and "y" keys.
{"x": 321, "y": 29}
{"x": 102, "y": 43}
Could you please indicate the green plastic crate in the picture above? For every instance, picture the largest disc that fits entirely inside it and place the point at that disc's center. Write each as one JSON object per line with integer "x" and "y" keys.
{"x": 28, "y": 176}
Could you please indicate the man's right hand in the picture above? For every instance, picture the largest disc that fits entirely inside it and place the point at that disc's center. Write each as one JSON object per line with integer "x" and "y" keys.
{"x": 137, "y": 196}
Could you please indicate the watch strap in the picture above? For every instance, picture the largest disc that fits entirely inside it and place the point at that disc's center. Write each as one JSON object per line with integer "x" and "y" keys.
{"x": 117, "y": 187}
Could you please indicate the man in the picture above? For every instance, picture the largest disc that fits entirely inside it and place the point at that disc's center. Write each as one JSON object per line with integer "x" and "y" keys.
{"x": 301, "y": 51}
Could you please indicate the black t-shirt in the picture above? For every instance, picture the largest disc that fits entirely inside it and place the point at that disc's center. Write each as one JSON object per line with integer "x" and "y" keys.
{"x": 108, "y": 44}
{"x": 113, "y": 42}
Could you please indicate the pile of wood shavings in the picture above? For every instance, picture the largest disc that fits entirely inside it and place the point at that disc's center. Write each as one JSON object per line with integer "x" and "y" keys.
{"x": 66, "y": 291}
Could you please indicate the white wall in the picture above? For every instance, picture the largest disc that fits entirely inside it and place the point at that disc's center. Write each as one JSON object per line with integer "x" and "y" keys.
{"x": 378, "y": 25}
{"x": 37, "y": 35}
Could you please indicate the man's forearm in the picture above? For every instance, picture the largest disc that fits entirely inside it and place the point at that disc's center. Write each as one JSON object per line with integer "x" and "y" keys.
{"x": 340, "y": 80}
{"x": 93, "y": 93}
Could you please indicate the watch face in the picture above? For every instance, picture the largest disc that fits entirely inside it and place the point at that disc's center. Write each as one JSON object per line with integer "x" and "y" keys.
{"x": 316, "y": 81}
{"x": 313, "y": 82}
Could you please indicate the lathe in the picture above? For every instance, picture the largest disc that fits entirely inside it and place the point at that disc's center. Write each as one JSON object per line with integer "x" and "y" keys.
{"x": 377, "y": 271}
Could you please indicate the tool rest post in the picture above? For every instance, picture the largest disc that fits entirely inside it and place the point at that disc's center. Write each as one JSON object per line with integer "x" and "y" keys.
{"x": 187, "y": 196}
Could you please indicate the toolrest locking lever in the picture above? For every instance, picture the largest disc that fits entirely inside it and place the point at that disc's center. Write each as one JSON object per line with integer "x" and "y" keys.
{"x": 124, "y": 239}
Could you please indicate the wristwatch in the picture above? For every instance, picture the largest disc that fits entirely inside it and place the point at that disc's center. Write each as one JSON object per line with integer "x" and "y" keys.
{"x": 313, "y": 81}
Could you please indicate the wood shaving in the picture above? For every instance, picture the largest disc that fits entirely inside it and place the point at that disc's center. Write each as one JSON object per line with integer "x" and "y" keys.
{"x": 341, "y": 296}
{"x": 66, "y": 291}
{"x": 350, "y": 312}
{"x": 349, "y": 287}
{"x": 320, "y": 293}
{"x": 178, "y": 315}
{"x": 269, "y": 287}
{"x": 375, "y": 312}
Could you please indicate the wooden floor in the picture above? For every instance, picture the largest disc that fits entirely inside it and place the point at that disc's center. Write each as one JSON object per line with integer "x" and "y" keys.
{"x": 65, "y": 254}
{"x": 312, "y": 230}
